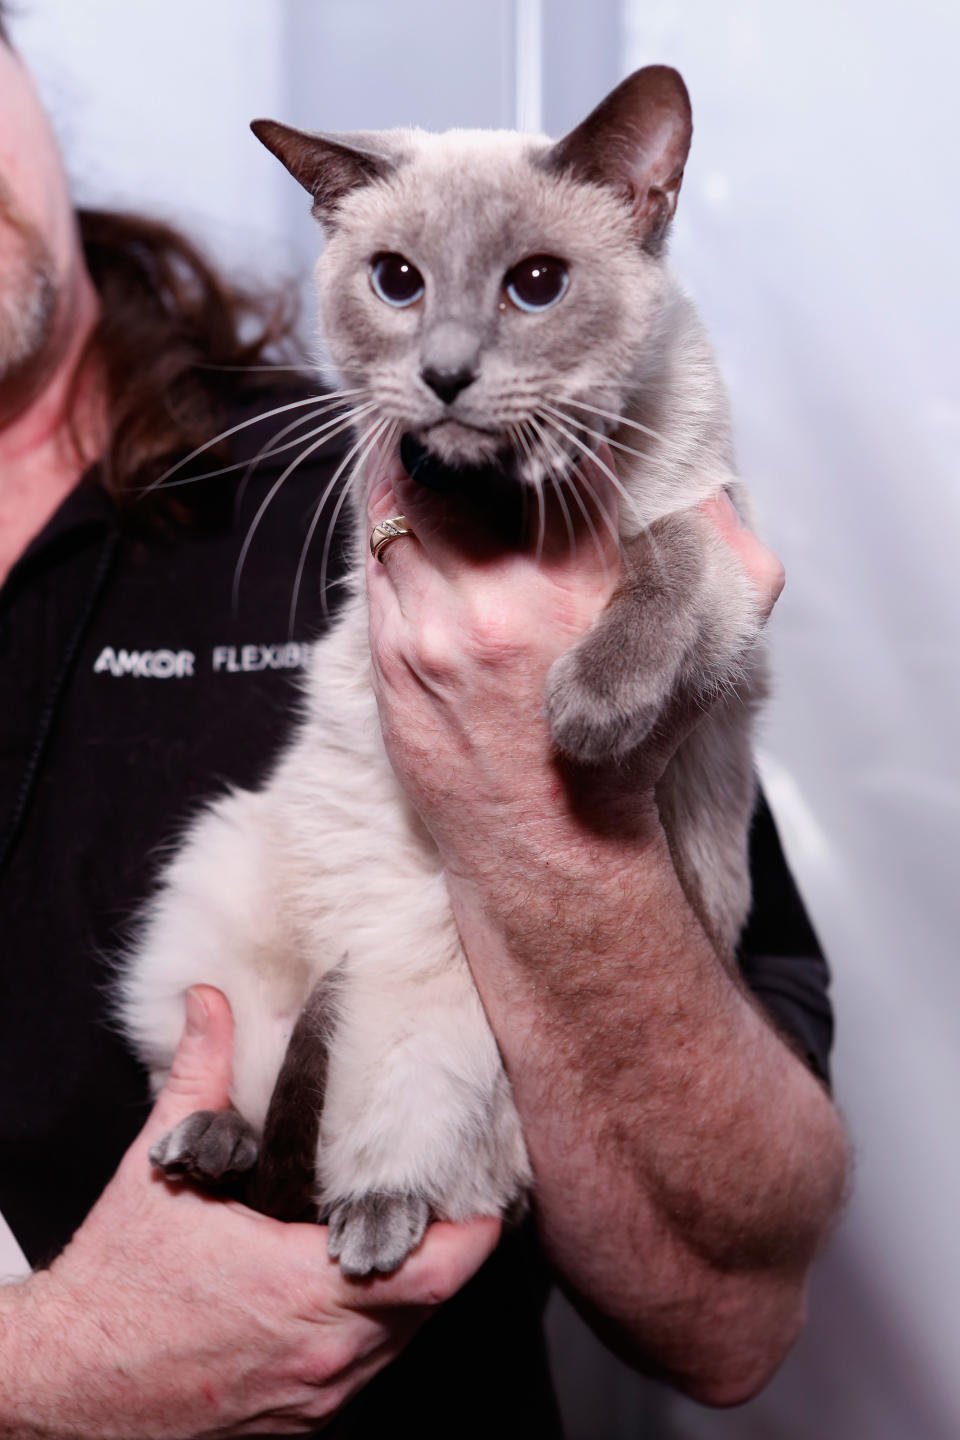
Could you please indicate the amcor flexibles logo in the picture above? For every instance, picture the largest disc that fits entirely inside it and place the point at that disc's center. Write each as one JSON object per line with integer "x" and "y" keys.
{"x": 181, "y": 664}
{"x": 145, "y": 664}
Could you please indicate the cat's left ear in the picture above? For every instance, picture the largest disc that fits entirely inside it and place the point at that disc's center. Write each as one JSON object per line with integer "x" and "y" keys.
{"x": 327, "y": 166}
{"x": 636, "y": 141}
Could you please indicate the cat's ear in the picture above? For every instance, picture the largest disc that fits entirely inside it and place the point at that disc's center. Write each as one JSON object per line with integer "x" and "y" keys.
{"x": 635, "y": 141}
{"x": 327, "y": 166}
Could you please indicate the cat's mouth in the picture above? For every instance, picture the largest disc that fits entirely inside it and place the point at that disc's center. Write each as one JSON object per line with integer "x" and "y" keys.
{"x": 462, "y": 445}
{"x": 439, "y": 472}
{"x": 450, "y": 425}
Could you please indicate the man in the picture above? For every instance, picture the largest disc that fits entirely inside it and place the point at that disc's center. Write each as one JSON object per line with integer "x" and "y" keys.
{"x": 688, "y": 1163}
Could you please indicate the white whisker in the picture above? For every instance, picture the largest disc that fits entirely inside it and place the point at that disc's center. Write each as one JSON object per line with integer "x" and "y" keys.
{"x": 657, "y": 556}
{"x": 225, "y": 434}
{"x": 519, "y": 441}
{"x": 248, "y": 539}
{"x": 371, "y": 435}
{"x": 556, "y": 400}
{"x": 392, "y": 435}
{"x": 557, "y": 482}
{"x": 550, "y": 420}
{"x": 596, "y": 434}
{"x": 335, "y": 424}
{"x": 607, "y": 471}
{"x": 252, "y": 369}
{"x": 264, "y": 453}
{"x": 588, "y": 519}
{"x": 541, "y": 521}
{"x": 557, "y": 488}
{"x": 574, "y": 482}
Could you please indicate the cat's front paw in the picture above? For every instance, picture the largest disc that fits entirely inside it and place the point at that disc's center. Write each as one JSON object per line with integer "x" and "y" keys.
{"x": 376, "y": 1232}
{"x": 208, "y": 1146}
{"x": 590, "y": 723}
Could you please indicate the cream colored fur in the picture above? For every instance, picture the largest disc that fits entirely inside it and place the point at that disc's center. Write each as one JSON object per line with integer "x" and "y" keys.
{"x": 328, "y": 863}
{"x": 269, "y": 892}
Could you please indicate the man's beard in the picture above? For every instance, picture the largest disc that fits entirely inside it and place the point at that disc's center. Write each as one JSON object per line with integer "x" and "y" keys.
{"x": 28, "y": 293}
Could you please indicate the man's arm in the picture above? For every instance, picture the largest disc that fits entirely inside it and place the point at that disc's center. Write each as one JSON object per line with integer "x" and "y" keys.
{"x": 688, "y": 1165}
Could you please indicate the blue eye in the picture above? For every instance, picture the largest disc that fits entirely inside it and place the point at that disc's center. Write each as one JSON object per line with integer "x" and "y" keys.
{"x": 395, "y": 280}
{"x": 537, "y": 282}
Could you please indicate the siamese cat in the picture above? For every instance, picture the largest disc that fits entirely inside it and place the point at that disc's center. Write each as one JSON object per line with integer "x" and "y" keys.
{"x": 504, "y": 302}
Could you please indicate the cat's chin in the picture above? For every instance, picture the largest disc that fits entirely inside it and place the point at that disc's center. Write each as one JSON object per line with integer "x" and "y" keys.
{"x": 451, "y": 467}
{"x": 463, "y": 446}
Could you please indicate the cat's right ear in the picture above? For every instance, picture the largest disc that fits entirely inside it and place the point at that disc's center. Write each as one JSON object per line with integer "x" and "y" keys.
{"x": 636, "y": 142}
{"x": 327, "y": 166}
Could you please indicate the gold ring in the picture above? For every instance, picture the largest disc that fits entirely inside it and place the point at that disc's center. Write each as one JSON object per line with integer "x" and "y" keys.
{"x": 387, "y": 530}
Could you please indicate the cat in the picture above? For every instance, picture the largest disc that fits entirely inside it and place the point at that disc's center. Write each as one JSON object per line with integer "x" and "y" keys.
{"x": 503, "y": 300}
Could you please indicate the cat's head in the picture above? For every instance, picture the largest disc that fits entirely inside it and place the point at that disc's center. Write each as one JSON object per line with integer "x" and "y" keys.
{"x": 491, "y": 292}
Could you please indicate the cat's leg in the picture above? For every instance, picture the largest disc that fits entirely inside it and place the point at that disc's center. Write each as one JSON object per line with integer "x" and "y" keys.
{"x": 684, "y": 617}
{"x": 685, "y": 623}
{"x": 217, "y": 919}
{"x": 418, "y": 1120}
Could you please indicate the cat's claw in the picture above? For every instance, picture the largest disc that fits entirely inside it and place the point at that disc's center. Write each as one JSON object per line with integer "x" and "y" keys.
{"x": 207, "y": 1146}
{"x": 376, "y": 1232}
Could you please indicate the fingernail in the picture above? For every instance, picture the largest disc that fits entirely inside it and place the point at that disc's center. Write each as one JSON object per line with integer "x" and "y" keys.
{"x": 197, "y": 1013}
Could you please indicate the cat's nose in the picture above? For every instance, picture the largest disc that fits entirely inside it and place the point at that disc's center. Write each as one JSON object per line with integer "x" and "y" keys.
{"x": 447, "y": 383}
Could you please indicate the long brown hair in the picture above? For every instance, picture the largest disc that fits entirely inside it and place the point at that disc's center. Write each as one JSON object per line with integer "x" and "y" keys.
{"x": 172, "y": 344}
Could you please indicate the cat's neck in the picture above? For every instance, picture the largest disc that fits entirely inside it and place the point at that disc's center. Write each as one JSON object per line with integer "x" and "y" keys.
{"x": 674, "y": 447}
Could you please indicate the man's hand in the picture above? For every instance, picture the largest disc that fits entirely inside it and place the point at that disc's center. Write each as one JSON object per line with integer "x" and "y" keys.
{"x": 760, "y": 563}
{"x": 174, "y": 1315}
{"x": 464, "y": 631}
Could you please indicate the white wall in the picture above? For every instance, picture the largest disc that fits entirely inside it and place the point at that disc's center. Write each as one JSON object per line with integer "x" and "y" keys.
{"x": 152, "y": 102}
{"x": 817, "y": 228}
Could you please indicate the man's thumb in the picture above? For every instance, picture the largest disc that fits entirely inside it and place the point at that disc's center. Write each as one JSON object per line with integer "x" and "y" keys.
{"x": 202, "y": 1068}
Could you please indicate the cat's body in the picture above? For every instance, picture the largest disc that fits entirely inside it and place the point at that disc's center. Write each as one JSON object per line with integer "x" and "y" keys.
{"x": 323, "y": 890}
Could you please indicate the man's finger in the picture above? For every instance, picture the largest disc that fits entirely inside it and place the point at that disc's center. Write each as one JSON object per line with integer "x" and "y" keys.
{"x": 448, "y": 1256}
{"x": 202, "y": 1068}
{"x": 761, "y": 564}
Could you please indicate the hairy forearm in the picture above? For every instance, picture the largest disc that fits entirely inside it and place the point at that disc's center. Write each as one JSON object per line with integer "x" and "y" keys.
{"x": 23, "y": 1403}
{"x": 687, "y": 1163}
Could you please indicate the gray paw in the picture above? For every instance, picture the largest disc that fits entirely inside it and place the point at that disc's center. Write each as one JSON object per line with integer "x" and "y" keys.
{"x": 376, "y": 1232}
{"x": 590, "y": 724}
{"x": 207, "y": 1146}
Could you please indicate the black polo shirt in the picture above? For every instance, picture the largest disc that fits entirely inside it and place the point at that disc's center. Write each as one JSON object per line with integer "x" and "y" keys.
{"x": 133, "y": 690}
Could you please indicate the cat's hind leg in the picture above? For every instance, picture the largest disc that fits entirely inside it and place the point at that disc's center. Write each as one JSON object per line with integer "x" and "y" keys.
{"x": 217, "y": 918}
{"x": 211, "y": 1147}
{"x": 418, "y": 1120}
